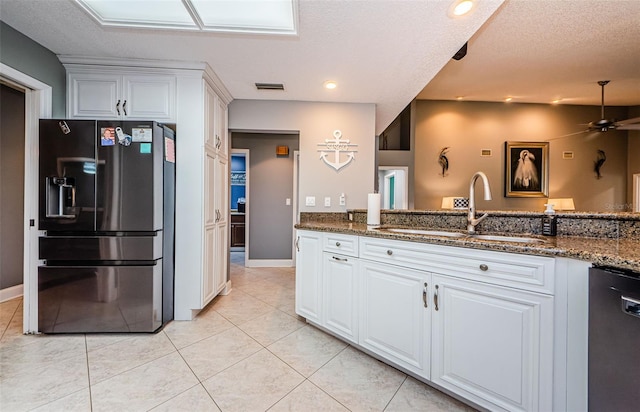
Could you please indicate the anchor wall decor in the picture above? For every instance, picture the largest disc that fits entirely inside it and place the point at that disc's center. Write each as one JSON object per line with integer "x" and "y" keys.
{"x": 337, "y": 146}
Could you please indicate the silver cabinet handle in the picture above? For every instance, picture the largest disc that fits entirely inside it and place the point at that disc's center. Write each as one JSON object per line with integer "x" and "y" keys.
{"x": 435, "y": 298}
{"x": 124, "y": 107}
{"x": 389, "y": 252}
{"x": 118, "y": 107}
{"x": 298, "y": 243}
{"x": 424, "y": 295}
{"x": 630, "y": 306}
{"x": 340, "y": 259}
{"x": 484, "y": 267}
{"x": 338, "y": 244}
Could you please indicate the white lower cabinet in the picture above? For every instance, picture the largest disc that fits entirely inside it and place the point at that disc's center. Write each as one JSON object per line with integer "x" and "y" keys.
{"x": 308, "y": 274}
{"x": 395, "y": 315}
{"x": 493, "y": 345}
{"x": 339, "y": 295}
{"x": 451, "y": 322}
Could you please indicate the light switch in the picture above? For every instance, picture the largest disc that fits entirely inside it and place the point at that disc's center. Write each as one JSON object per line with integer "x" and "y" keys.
{"x": 327, "y": 201}
{"x": 343, "y": 200}
{"x": 310, "y": 201}
{"x": 287, "y": 201}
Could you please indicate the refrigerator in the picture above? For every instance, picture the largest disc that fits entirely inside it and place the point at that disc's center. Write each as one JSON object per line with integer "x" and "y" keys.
{"x": 107, "y": 209}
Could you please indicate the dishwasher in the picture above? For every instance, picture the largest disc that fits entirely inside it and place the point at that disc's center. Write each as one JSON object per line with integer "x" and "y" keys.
{"x": 614, "y": 340}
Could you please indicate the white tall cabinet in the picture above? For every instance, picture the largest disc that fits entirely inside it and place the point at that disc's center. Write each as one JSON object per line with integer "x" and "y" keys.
{"x": 190, "y": 96}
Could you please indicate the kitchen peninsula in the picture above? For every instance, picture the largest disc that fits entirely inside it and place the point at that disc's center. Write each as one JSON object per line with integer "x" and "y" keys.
{"x": 499, "y": 324}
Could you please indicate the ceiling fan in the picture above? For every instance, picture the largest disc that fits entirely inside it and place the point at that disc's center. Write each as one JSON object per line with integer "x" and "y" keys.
{"x": 604, "y": 124}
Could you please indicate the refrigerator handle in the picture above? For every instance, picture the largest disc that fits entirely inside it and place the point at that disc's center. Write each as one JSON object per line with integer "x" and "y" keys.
{"x": 118, "y": 107}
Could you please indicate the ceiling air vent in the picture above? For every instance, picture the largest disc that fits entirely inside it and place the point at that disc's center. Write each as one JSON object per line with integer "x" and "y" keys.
{"x": 269, "y": 86}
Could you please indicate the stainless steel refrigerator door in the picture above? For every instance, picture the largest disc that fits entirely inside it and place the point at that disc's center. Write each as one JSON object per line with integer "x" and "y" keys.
{"x": 67, "y": 172}
{"x": 129, "y": 185}
{"x": 99, "y": 299}
{"x": 100, "y": 248}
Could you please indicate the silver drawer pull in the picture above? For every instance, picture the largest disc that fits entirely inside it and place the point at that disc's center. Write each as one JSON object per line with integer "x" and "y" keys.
{"x": 424, "y": 294}
{"x": 484, "y": 267}
{"x": 338, "y": 244}
{"x": 389, "y": 252}
{"x": 630, "y": 306}
{"x": 339, "y": 259}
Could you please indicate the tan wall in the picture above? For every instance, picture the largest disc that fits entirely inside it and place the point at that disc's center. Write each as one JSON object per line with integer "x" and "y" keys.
{"x": 469, "y": 127}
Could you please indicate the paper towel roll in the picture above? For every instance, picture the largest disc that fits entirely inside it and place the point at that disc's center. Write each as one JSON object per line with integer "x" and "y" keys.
{"x": 373, "y": 209}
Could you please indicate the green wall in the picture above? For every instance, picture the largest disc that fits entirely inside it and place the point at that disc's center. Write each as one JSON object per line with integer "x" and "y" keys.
{"x": 25, "y": 55}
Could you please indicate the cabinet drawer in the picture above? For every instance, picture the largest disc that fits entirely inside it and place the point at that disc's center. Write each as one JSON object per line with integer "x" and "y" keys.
{"x": 533, "y": 273}
{"x": 339, "y": 243}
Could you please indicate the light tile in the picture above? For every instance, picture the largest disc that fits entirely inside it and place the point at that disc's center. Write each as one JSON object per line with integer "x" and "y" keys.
{"x": 205, "y": 325}
{"x": 308, "y": 397}
{"x": 417, "y": 396}
{"x": 144, "y": 387}
{"x": 123, "y": 355}
{"x": 238, "y": 307}
{"x": 307, "y": 349}
{"x": 193, "y": 400}
{"x": 271, "y": 327}
{"x": 358, "y": 381}
{"x": 76, "y": 402}
{"x": 99, "y": 340}
{"x": 254, "y": 384}
{"x": 214, "y": 354}
{"x": 27, "y": 384}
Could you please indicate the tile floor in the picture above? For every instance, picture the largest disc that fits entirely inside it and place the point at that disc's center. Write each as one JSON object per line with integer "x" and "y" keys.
{"x": 247, "y": 351}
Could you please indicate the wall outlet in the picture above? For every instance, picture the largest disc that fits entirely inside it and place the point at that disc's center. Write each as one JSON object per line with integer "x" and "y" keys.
{"x": 310, "y": 201}
{"x": 287, "y": 202}
{"x": 343, "y": 200}
{"x": 327, "y": 201}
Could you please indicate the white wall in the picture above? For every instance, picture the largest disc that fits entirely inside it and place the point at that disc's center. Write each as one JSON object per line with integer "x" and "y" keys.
{"x": 316, "y": 122}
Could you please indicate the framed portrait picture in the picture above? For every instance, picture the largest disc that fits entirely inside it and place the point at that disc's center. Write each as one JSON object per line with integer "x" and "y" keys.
{"x": 526, "y": 169}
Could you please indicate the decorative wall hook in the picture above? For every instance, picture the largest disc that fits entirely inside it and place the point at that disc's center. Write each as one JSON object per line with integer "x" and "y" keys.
{"x": 337, "y": 146}
{"x": 602, "y": 157}
{"x": 444, "y": 161}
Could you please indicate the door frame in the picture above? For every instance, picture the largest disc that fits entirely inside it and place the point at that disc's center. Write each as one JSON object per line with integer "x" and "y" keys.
{"x": 38, "y": 105}
{"x": 296, "y": 211}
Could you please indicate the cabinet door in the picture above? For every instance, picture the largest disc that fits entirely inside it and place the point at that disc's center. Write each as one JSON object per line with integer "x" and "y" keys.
{"x": 210, "y": 105}
{"x": 493, "y": 345}
{"x": 94, "y": 96}
{"x": 221, "y": 196}
{"x": 339, "y": 295}
{"x": 395, "y": 314}
{"x": 149, "y": 97}
{"x": 221, "y": 256}
{"x": 308, "y": 274}
{"x": 209, "y": 188}
{"x": 220, "y": 126}
{"x": 209, "y": 269}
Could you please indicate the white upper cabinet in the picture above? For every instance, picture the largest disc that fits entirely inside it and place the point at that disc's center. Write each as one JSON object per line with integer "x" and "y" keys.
{"x": 120, "y": 95}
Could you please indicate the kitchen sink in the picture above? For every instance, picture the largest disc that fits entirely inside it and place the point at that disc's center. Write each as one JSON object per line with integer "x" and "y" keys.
{"x": 425, "y": 232}
{"x": 504, "y": 238}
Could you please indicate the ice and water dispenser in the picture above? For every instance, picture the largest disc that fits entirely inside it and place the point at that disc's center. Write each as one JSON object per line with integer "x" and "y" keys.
{"x": 60, "y": 197}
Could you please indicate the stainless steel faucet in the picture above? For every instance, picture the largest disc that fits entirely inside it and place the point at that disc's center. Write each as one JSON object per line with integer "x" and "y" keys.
{"x": 472, "y": 221}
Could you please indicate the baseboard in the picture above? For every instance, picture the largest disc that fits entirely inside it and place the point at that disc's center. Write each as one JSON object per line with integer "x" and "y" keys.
{"x": 11, "y": 293}
{"x": 269, "y": 263}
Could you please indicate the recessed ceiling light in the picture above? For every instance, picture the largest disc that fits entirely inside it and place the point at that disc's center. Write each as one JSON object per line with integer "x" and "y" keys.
{"x": 556, "y": 101}
{"x": 508, "y": 99}
{"x": 330, "y": 84}
{"x": 460, "y": 8}
{"x": 459, "y": 97}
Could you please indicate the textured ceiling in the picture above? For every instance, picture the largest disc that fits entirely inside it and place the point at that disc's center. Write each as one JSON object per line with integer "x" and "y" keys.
{"x": 386, "y": 51}
{"x": 538, "y": 51}
{"x": 379, "y": 51}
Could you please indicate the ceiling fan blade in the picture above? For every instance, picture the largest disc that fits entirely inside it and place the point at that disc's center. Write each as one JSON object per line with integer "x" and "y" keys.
{"x": 629, "y": 127}
{"x": 628, "y": 121}
{"x": 570, "y": 134}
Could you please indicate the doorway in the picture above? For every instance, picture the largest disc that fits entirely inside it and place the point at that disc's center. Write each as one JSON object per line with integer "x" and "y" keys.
{"x": 38, "y": 105}
{"x": 393, "y": 185}
{"x": 270, "y": 197}
{"x": 12, "y": 183}
{"x": 239, "y": 205}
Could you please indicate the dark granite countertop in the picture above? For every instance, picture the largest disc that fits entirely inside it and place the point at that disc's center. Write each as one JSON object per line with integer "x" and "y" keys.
{"x": 622, "y": 253}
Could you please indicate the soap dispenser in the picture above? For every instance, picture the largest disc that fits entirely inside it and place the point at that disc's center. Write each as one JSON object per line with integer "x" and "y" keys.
{"x": 549, "y": 224}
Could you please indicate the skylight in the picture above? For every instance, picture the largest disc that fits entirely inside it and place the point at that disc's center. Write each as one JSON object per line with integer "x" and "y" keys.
{"x": 249, "y": 16}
